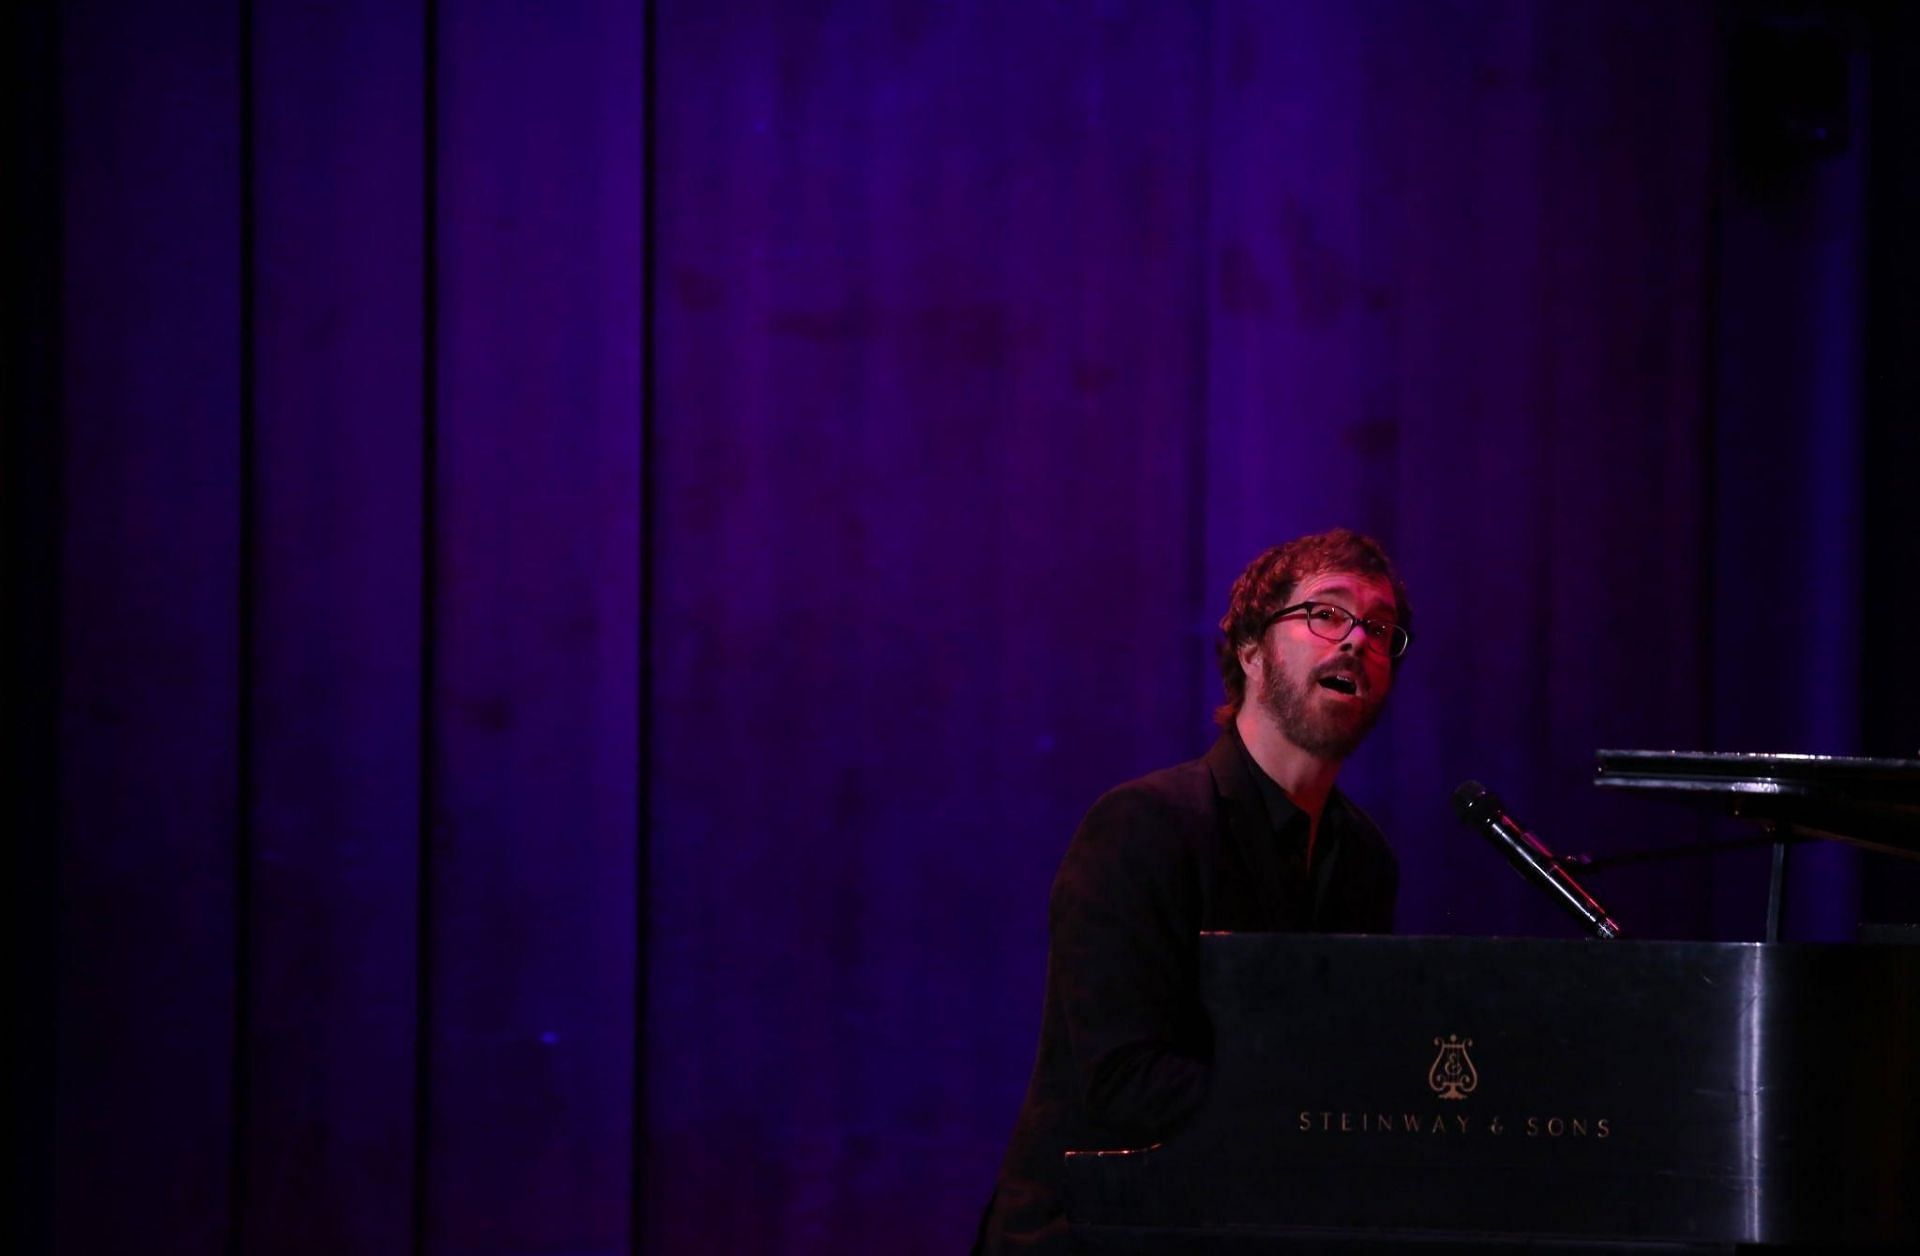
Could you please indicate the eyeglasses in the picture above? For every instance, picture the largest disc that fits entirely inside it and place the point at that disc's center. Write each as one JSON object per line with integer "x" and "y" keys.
{"x": 1335, "y": 623}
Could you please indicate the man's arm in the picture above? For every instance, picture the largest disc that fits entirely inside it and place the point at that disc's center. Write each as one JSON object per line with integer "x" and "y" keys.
{"x": 1125, "y": 930}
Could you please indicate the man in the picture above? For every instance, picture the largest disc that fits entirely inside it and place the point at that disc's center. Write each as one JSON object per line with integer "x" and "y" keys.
{"x": 1252, "y": 837}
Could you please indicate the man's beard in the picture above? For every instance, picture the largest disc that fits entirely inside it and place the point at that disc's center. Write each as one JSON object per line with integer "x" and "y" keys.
{"x": 1325, "y": 730}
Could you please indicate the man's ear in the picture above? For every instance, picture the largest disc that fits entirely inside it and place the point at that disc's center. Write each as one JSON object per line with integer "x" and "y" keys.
{"x": 1249, "y": 655}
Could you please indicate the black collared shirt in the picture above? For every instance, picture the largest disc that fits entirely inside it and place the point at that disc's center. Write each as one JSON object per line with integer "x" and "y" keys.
{"x": 1293, "y": 836}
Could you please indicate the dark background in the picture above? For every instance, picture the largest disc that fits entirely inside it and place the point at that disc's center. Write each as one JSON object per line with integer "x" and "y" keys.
{"x": 572, "y": 566}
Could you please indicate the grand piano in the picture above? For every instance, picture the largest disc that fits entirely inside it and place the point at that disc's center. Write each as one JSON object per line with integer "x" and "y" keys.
{"x": 1462, "y": 1094}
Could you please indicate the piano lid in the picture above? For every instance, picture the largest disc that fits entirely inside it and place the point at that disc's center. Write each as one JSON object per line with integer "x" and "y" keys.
{"x": 1873, "y": 803}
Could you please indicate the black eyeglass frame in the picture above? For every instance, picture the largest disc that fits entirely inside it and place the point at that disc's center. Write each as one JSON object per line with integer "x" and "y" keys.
{"x": 1395, "y": 642}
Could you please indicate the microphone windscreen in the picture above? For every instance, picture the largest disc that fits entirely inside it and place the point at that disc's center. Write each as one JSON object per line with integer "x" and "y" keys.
{"x": 1470, "y": 795}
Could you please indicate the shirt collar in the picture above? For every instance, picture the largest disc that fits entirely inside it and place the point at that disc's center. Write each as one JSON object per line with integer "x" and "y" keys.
{"x": 1281, "y": 810}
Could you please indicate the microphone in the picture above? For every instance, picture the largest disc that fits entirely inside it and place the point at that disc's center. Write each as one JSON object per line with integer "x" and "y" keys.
{"x": 1478, "y": 806}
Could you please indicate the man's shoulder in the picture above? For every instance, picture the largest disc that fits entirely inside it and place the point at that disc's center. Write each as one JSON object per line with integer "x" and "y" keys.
{"x": 1142, "y": 832}
{"x": 1186, "y": 785}
{"x": 1160, "y": 802}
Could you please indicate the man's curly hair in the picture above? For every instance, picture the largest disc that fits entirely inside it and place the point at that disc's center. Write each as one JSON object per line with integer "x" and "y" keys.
{"x": 1268, "y": 584}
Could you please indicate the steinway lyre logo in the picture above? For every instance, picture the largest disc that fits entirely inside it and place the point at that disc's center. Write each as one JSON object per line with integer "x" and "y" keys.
{"x": 1453, "y": 1075}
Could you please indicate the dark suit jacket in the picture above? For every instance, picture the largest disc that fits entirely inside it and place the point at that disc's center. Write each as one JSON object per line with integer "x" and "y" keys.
{"x": 1124, "y": 1045}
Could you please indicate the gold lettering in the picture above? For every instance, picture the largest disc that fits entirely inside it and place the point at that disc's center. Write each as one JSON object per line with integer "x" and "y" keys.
{"x": 1348, "y": 1122}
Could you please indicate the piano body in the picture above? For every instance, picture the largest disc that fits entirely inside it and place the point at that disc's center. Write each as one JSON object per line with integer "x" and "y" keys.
{"x": 1468, "y": 1094}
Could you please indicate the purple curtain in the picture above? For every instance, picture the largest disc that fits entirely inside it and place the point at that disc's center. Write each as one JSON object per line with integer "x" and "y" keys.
{"x": 604, "y": 547}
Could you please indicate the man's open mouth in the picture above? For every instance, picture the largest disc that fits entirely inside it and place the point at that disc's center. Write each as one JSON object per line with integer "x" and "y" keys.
{"x": 1340, "y": 684}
